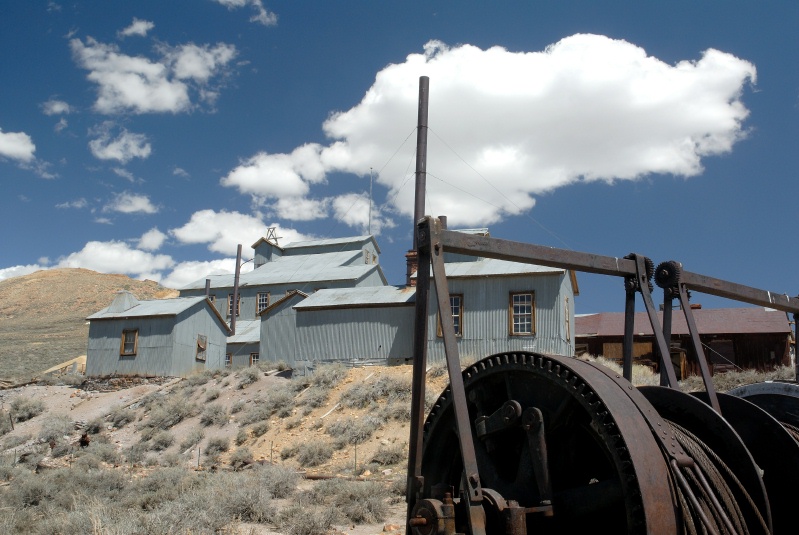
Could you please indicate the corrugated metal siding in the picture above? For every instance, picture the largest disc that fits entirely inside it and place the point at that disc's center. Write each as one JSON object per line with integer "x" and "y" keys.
{"x": 154, "y": 352}
{"x": 166, "y": 345}
{"x": 278, "y": 333}
{"x": 485, "y": 316}
{"x": 354, "y": 334}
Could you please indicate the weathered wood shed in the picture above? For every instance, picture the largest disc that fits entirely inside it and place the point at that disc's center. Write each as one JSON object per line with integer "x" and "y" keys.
{"x": 167, "y": 337}
{"x": 740, "y": 338}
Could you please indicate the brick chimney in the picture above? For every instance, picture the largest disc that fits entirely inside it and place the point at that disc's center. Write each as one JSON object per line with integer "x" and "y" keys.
{"x": 411, "y": 264}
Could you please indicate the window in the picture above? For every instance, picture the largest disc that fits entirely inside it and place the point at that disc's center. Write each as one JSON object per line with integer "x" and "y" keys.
{"x": 262, "y": 302}
{"x": 202, "y": 346}
{"x": 567, "y": 313}
{"x": 230, "y": 305}
{"x": 130, "y": 342}
{"x": 212, "y": 298}
{"x": 456, "y": 309}
{"x": 254, "y": 358}
{"x": 228, "y": 360}
{"x": 521, "y": 312}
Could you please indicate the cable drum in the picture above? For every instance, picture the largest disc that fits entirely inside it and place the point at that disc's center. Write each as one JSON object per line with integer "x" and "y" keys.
{"x": 707, "y": 492}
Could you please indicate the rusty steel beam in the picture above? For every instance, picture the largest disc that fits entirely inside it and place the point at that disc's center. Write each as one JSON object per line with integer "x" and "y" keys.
{"x": 739, "y": 292}
{"x": 458, "y": 242}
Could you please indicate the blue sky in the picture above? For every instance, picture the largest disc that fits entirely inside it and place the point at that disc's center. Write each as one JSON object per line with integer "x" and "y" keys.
{"x": 150, "y": 137}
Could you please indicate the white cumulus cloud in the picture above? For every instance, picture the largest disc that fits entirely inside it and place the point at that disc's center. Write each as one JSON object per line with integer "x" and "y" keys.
{"x": 117, "y": 257}
{"x": 122, "y": 148}
{"x": 130, "y": 203}
{"x": 187, "y": 272}
{"x": 223, "y": 231}
{"x": 152, "y": 240}
{"x": 18, "y": 271}
{"x": 507, "y": 126}
{"x": 142, "y": 85}
{"x": 16, "y": 146}
{"x": 137, "y": 27}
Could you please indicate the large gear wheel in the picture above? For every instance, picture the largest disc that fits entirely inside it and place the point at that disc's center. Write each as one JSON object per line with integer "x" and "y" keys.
{"x": 667, "y": 274}
{"x": 605, "y": 467}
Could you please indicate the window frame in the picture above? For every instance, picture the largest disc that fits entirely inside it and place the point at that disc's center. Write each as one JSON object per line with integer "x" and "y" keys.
{"x": 122, "y": 351}
{"x": 255, "y": 358}
{"x": 459, "y": 324}
{"x": 230, "y": 306}
{"x": 202, "y": 348}
{"x": 258, "y": 307}
{"x": 512, "y": 314}
{"x": 228, "y": 360}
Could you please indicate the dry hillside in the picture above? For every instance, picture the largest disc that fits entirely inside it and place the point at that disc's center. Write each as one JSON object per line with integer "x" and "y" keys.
{"x": 43, "y": 315}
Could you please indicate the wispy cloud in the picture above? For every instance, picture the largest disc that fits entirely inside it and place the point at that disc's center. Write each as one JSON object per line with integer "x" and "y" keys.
{"x": 122, "y": 148}
{"x": 141, "y": 85}
{"x": 130, "y": 203}
{"x": 77, "y": 204}
{"x": 261, "y": 15}
{"x": 56, "y": 107}
{"x": 138, "y": 27}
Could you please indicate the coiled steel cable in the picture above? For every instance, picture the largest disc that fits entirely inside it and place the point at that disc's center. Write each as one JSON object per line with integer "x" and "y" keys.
{"x": 792, "y": 430}
{"x": 704, "y": 492}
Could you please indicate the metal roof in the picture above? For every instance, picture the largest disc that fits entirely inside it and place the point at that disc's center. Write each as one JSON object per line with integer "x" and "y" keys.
{"x": 364, "y": 296}
{"x": 247, "y": 332}
{"x": 156, "y": 307}
{"x": 294, "y": 269}
{"x": 752, "y": 320}
{"x": 332, "y": 241}
{"x": 485, "y": 267}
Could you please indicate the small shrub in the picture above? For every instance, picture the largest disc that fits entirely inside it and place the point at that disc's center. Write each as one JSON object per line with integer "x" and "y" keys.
{"x": 354, "y": 430}
{"x": 260, "y": 429}
{"x": 289, "y": 451}
{"x": 95, "y": 426}
{"x": 121, "y": 416}
{"x": 293, "y": 423}
{"x": 55, "y": 427}
{"x": 162, "y": 440}
{"x": 136, "y": 453}
{"x": 314, "y": 453}
{"x": 240, "y": 458}
{"x": 172, "y": 459}
{"x": 390, "y": 455}
{"x": 216, "y": 446}
{"x": 23, "y": 409}
{"x": 199, "y": 379}
{"x": 105, "y": 452}
{"x": 214, "y": 414}
{"x": 361, "y": 395}
{"x": 248, "y": 376}
{"x": 329, "y": 375}
{"x": 279, "y": 481}
{"x": 192, "y": 438}
{"x": 171, "y": 414}
{"x": 305, "y": 519}
{"x": 237, "y": 406}
{"x": 241, "y": 437}
{"x": 60, "y": 450}
{"x": 5, "y": 422}
{"x": 14, "y": 441}
{"x": 212, "y": 394}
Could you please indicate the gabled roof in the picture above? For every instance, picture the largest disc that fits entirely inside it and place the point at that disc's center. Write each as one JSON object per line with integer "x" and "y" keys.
{"x": 751, "y": 320}
{"x": 247, "y": 332}
{"x": 296, "y": 269}
{"x": 156, "y": 308}
{"x": 332, "y": 241}
{"x": 485, "y": 267}
{"x": 370, "y": 296}
{"x": 289, "y": 295}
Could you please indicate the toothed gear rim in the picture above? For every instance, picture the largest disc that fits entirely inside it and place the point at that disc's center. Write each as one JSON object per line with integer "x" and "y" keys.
{"x": 667, "y": 274}
{"x": 605, "y": 467}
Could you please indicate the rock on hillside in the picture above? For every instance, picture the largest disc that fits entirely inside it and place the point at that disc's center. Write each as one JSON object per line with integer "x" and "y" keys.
{"x": 43, "y": 315}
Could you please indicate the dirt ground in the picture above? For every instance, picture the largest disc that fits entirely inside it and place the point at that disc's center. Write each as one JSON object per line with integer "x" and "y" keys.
{"x": 83, "y": 406}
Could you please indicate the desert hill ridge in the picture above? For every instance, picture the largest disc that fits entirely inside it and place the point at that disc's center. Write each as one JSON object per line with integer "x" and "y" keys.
{"x": 43, "y": 315}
